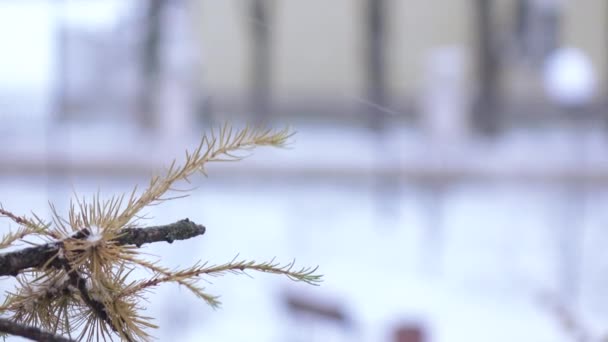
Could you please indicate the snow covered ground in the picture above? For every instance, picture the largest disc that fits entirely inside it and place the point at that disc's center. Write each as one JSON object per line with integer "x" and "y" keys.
{"x": 470, "y": 262}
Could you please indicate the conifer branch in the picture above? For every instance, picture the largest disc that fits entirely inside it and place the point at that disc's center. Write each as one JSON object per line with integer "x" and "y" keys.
{"x": 221, "y": 146}
{"x": 13, "y": 263}
{"x": 13, "y": 328}
{"x": 21, "y": 220}
{"x": 27, "y": 227}
{"x": 304, "y": 274}
{"x": 81, "y": 280}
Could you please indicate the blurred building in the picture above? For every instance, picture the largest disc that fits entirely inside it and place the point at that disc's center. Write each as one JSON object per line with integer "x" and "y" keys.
{"x": 320, "y": 65}
{"x": 357, "y": 61}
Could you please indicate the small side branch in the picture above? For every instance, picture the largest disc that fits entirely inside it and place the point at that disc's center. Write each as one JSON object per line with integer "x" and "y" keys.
{"x": 32, "y": 333}
{"x": 180, "y": 230}
{"x": 13, "y": 263}
{"x": 17, "y": 219}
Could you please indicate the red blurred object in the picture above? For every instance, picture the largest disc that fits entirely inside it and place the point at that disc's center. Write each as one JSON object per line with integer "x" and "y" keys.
{"x": 409, "y": 333}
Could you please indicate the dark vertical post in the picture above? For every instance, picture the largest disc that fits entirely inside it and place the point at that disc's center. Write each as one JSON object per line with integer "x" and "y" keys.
{"x": 261, "y": 60}
{"x": 385, "y": 186}
{"x": 571, "y": 231}
{"x": 60, "y": 84}
{"x": 537, "y": 29}
{"x": 551, "y": 20}
{"x": 59, "y": 108}
{"x": 522, "y": 12}
{"x": 604, "y": 103}
{"x": 485, "y": 113}
{"x": 150, "y": 62}
{"x": 375, "y": 62}
{"x": 573, "y": 213}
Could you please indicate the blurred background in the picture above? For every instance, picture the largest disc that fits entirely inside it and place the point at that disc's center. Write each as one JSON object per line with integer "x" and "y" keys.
{"x": 449, "y": 174}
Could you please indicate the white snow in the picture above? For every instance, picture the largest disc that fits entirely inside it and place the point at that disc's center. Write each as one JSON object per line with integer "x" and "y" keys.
{"x": 469, "y": 263}
{"x": 95, "y": 235}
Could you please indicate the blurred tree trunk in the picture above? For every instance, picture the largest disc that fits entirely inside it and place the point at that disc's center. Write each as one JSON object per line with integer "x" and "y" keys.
{"x": 485, "y": 111}
{"x": 151, "y": 63}
{"x": 260, "y": 87}
{"x": 375, "y": 63}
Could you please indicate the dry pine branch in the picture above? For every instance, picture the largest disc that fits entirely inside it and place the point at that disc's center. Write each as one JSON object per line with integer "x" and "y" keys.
{"x": 78, "y": 283}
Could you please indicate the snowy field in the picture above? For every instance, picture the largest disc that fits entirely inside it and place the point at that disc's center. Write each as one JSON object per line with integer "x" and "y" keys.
{"x": 470, "y": 262}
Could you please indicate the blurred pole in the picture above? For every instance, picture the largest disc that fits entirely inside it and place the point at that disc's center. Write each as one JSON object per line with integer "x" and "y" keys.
{"x": 59, "y": 105}
{"x": 434, "y": 234}
{"x": 60, "y": 110}
{"x": 550, "y": 22}
{"x": 485, "y": 114}
{"x": 537, "y": 28}
{"x": 522, "y": 22}
{"x": 376, "y": 101}
{"x": 574, "y": 212}
{"x": 375, "y": 63}
{"x": 261, "y": 60}
{"x": 178, "y": 88}
{"x": 445, "y": 120}
{"x": 151, "y": 63}
{"x": 57, "y": 141}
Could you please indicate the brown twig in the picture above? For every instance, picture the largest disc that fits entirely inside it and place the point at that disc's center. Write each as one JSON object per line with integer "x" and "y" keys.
{"x": 13, "y": 263}
{"x": 17, "y": 219}
{"x": 32, "y": 333}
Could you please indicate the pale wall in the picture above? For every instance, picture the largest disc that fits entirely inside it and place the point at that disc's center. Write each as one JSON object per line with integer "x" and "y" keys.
{"x": 319, "y": 48}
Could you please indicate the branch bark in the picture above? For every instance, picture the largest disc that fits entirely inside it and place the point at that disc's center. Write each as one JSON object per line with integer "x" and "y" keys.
{"x": 13, "y": 263}
{"x": 32, "y": 333}
{"x": 98, "y": 307}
